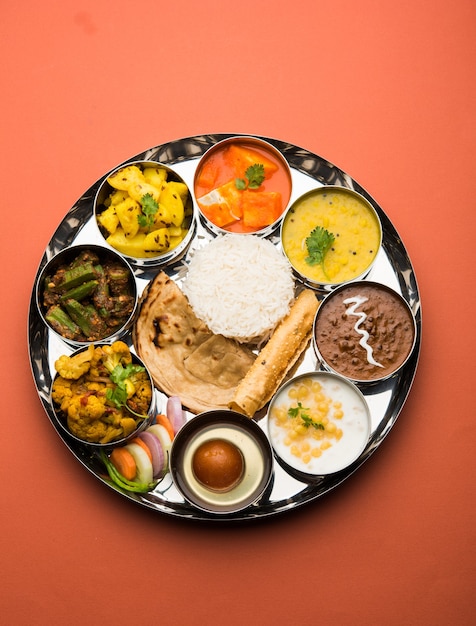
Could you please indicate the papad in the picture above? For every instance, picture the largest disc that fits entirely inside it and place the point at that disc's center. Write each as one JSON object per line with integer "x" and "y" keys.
{"x": 276, "y": 360}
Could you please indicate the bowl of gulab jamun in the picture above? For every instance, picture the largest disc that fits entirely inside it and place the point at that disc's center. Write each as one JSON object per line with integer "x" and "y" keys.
{"x": 221, "y": 462}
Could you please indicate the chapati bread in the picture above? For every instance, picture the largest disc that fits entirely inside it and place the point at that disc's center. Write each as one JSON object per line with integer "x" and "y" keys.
{"x": 277, "y": 358}
{"x": 182, "y": 354}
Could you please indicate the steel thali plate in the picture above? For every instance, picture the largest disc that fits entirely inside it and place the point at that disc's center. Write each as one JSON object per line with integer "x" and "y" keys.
{"x": 386, "y": 400}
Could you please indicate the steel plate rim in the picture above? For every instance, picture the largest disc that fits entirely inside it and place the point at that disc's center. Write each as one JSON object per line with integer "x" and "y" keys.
{"x": 307, "y": 163}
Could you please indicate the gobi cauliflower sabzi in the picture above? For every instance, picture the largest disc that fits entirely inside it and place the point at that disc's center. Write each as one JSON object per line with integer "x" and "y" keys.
{"x": 101, "y": 393}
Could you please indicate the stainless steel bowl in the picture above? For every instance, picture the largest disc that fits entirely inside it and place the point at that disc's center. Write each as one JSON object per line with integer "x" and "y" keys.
{"x": 255, "y": 144}
{"x": 123, "y": 245}
{"x": 61, "y": 416}
{"x": 357, "y": 332}
{"x": 241, "y": 432}
{"x": 318, "y": 424}
{"x": 64, "y": 258}
{"x": 345, "y": 215}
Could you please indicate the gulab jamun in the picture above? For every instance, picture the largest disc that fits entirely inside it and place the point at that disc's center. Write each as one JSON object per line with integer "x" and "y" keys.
{"x": 218, "y": 465}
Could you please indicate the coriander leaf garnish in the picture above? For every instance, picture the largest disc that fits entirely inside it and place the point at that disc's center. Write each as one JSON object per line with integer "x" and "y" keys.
{"x": 300, "y": 412}
{"x": 318, "y": 243}
{"x": 149, "y": 209}
{"x": 254, "y": 177}
{"x": 308, "y": 421}
{"x": 119, "y": 376}
{"x": 293, "y": 411}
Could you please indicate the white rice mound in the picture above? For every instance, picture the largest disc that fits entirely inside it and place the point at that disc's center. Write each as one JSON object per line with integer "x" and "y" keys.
{"x": 241, "y": 286}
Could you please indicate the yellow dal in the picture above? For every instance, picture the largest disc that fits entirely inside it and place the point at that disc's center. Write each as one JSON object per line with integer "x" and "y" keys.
{"x": 353, "y": 224}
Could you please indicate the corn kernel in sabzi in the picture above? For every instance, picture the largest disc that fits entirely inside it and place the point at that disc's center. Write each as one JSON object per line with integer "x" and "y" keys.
{"x": 144, "y": 210}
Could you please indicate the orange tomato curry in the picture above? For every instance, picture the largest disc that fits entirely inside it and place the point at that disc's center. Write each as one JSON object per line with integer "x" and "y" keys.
{"x": 241, "y": 210}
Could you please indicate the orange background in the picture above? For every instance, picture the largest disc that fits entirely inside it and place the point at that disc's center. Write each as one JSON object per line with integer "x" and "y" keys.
{"x": 386, "y": 91}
